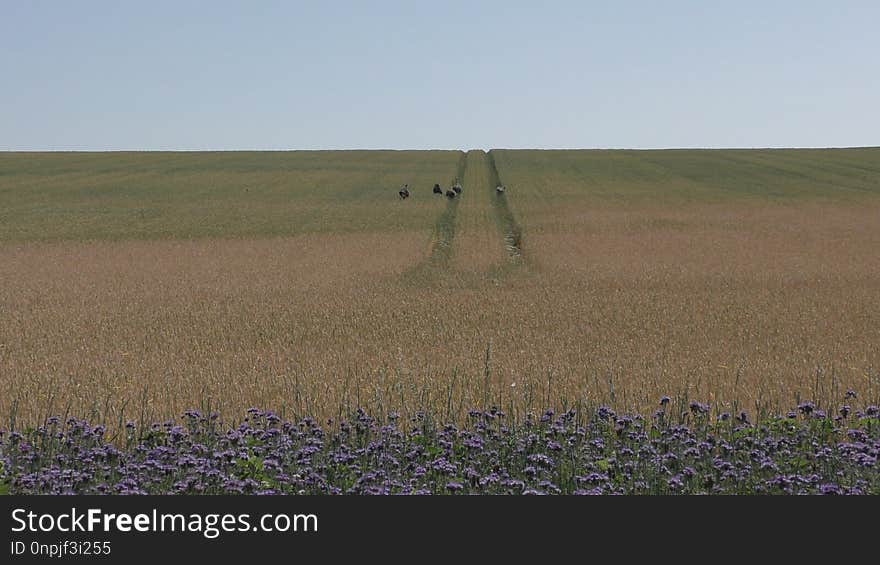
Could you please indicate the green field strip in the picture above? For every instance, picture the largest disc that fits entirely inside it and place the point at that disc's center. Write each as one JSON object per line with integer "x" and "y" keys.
{"x": 826, "y": 176}
{"x": 78, "y": 196}
{"x": 774, "y": 174}
{"x": 139, "y": 196}
{"x": 552, "y": 178}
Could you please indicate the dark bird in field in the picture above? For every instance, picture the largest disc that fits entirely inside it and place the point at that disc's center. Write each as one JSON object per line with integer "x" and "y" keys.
{"x": 457, "y": 186}
{"x": 450, "y": 194}
{"x": 404, "y": 192}
{"x": 437, "y": 189}
{"x": 500, "y": 188}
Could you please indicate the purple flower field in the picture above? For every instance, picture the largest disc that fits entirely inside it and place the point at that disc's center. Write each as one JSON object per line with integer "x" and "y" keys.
{"x": 806, "y": 451}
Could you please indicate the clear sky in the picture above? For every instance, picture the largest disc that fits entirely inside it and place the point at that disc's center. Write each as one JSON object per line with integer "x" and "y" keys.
{"x": 143, "y": 75}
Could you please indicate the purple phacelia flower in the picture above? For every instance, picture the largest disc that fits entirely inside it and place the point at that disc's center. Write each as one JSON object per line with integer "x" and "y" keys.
{"x": 675, "y": 483}
{"x": 699, "y": 408}
{"x": 806, "y": 407}
{"x": 830, "y": 489}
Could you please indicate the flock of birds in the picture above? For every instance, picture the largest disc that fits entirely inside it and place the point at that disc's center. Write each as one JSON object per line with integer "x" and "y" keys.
{"x": 451, "y": 193}
{"x": 454, "y": 191}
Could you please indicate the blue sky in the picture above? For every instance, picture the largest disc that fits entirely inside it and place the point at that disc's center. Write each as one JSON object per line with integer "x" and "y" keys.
{"x": 95, "y": 75}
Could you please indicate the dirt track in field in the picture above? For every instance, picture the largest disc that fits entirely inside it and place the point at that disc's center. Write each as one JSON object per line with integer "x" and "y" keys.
{"x": 510, "y": 229}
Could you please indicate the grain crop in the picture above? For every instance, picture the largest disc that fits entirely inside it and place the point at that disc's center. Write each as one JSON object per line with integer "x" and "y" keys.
{"x": 135, "y": 287}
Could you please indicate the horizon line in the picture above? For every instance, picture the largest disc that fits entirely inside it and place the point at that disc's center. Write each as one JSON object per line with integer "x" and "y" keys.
{"x": 386, "y": 149}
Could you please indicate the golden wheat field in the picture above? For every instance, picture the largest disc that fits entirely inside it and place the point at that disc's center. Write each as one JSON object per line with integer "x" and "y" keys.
{"x": 616, "y": 298}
